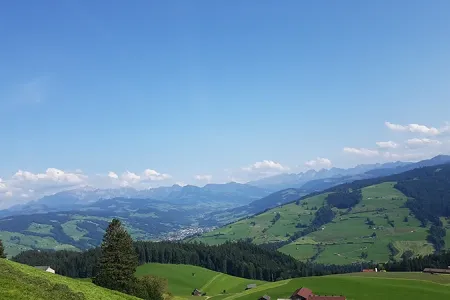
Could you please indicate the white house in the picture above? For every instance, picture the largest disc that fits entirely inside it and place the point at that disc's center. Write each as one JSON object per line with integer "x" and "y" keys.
{"x": 46, "y": 269}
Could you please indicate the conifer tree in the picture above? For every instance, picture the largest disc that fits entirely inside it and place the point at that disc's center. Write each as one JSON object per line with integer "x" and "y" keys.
{"x": 118, "y": 260}
{"x": 2, "y": 250}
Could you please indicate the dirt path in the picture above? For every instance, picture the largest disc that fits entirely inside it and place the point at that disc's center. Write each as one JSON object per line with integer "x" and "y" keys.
{"x": 209, "y": 283}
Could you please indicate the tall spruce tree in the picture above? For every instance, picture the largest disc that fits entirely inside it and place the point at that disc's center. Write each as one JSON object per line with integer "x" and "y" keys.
{"x": 118, "y": 260}
{"x": 2, "y": 250}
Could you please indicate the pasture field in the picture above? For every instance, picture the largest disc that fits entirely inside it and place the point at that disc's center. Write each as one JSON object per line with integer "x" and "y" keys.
{"x": 355, "y": 286}
{"x": 379, "y": 223}
{"x": 183, "y": 279}
{"x": 21, "y": 282}
{"x": 263, "y": 228}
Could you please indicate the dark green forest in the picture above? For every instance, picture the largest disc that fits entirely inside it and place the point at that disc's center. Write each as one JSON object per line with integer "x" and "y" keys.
{"x": 238, "y": 259}
{"x": 417, "y": 264}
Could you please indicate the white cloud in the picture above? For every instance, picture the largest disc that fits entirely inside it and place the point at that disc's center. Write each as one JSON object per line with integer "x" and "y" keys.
{"x": 417, "y": 142}
{"x": 130, "y": 176}
{"x": 387, "y": 145}
{"x": 2, "y": 185}
{"x": 51, "y": 174}
{"x": 206, "y": 178}
{"x": 24, "y": 185}
{"x": 265, "y": 165}
{"x": 319, "y": 162}
{"x": 414, "y": 128}
{"x": 113, "y": 175}
{"x": 180, "y": 183}
{"x": 154, "y": 175}
{"x": 361, "y": 151}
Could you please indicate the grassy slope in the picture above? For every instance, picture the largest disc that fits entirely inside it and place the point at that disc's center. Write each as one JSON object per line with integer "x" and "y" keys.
{"x": 263, "y": 230}
{"x": 357, "y": 287}
{"x": 344, "y": 239}
{"x": 21, "y": 282}
{"x": 182, "y": 283}
{"x": 364, "y": 286}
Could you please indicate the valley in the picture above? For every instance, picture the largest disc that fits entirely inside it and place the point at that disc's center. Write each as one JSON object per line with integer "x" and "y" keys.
{"x": 377, "y": 228}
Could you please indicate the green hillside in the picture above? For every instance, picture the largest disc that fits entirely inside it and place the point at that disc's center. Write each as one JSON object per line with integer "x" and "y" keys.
{"x": 374, "y": 229}
{"x": 355, "y": 286}
{"x": 21, "y": 282}
{"x": 182, "y": 281}
{"x": 401, "y": 286}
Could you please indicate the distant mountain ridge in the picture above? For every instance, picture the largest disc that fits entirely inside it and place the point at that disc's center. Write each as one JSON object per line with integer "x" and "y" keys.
{"x": 213, "y": 195}
{"x": 316, "y": 185}
{"x": 297, "y": 180}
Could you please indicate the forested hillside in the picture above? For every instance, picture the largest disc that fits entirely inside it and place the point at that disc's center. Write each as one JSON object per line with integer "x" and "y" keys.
{"x": 238, "y": 259}
{"x": 375, "y": 219}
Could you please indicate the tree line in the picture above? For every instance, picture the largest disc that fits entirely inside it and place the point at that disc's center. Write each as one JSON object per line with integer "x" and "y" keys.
{"x": 240, "y": 259}
{"x": 439, "y": 260}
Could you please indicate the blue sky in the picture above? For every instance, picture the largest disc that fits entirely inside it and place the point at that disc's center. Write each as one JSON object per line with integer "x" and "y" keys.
{"x": 221, "y": 90}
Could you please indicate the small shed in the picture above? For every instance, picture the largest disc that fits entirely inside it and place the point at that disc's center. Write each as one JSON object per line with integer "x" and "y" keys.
{"x": 46, "y": 269}
{"x": 250, "y": 286}
{"x": 196, "y": 292}
{"x": 265, "y": 297}
{"x": 436, "y": 271}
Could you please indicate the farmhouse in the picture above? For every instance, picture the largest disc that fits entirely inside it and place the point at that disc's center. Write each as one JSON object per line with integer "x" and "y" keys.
{"x": 46, "y": 269}
{"x": 302, "y": 294}
{"x": 370, "y": 270}
{"x": 436, "y": 271}
{"x": 306, "y": 294}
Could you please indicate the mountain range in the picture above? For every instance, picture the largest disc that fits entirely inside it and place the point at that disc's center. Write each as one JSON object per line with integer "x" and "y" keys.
{"x": 76, "y": 219}
{"x": 243, "y": 199}
{"x": 209, "y": 197}
{"x": 297, "y": 180}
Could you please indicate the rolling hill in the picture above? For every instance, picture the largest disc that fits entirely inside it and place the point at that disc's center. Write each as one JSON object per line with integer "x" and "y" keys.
{"x": 21, "y": 282}
{"x": 183, "y": 279}
{"x": 373, "y": 219}
{"x": 354, "y": 286}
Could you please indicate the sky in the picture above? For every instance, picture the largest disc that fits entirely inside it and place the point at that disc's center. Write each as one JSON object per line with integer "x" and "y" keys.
{"x": 149, "y": 93}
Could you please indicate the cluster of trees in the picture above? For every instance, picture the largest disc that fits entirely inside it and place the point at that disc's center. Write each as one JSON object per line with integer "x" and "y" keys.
{"x": 344, "y": 199}
{"x": 111, "y": 266}
{"x": 276, "y": 218}
{"x": 2, "y": 250}
{"x": 322, "y": 216}
{"x": 117, "y": 264}
{"x": 239, "y": 259}
{"x": 439, "y": 260}
{"x": 436, "y": 235}
{"x": 429, "y": 199}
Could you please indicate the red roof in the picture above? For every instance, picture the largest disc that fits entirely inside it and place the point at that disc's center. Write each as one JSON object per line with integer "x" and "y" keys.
{"x": 368, "y": 270}
{"x": 303, "y": 292}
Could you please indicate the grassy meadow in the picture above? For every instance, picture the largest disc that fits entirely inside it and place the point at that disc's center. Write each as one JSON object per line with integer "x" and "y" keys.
{"x": 21, "y": 282}
{"x": 182, "y": 281}
{"x": 355, "y": 286}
